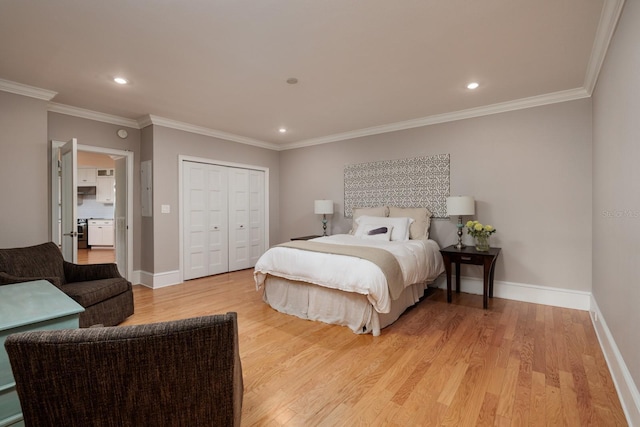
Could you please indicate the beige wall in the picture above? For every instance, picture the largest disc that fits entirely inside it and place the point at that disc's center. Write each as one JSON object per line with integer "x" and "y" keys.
{"x": 168, "y": 144}
{"x": 146, "y": 153}
{"x": 616, "y": 184}
{"x": 62, "y": 127}
{"x": 24, "y": 175}
{"x": 529, "y": 171}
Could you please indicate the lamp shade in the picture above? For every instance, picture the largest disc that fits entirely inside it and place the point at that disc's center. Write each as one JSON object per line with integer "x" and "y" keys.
{"x": 323, "y": 206}
{"x": 460, "y": 205}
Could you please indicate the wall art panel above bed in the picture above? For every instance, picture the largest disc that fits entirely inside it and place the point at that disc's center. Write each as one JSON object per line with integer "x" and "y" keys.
{"x": 405, "y": 183}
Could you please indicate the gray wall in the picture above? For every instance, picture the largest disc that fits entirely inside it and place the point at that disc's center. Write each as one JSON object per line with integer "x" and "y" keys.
{"x": 529, "y": 171}
{"x": 168, "y": 144}
{"x": 616, "y": 181}
{"x": 25, "y": 212}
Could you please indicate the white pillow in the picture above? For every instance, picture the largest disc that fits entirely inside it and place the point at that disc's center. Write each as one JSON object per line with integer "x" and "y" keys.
{"x": 376, "y": 232}
{"x": 400, "y": 226}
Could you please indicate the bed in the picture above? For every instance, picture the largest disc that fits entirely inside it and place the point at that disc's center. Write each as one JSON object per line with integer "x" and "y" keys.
{"x": 363, "y": 280}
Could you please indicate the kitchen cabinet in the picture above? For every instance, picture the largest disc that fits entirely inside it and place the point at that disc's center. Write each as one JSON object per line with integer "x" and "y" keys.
{"x": 101, "y": 232}
{"x": 87, "y": 176}
{"x": 106, "y": 189}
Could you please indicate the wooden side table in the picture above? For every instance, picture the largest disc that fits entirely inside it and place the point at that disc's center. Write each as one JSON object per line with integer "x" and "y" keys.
{"x": 469, "y": 255}
{"x": 305, "y": 237}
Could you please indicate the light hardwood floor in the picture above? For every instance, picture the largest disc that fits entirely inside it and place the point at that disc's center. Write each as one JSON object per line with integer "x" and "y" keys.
{"x": 96, "y": 256}
{"x": 440, "y": 364}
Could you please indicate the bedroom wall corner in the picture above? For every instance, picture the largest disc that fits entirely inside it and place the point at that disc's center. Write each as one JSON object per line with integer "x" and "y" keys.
{"x": 616, "y": 205}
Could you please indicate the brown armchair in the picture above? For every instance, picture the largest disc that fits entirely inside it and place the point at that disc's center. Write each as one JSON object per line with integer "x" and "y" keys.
{"x": 106, "y": 296}
{"x": 178, "y": 373}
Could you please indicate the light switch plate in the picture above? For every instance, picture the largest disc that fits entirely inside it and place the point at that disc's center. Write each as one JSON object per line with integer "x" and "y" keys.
{"x": 165, "y": 208}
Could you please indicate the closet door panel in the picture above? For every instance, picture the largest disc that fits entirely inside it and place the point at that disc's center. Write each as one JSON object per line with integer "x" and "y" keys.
{"x": 256, "y": 216}
{"x": 195, "y": 236}
{"x": 206, "y": 220}
{"x": 239, "y": 219}
{"x": 218, "y": 219}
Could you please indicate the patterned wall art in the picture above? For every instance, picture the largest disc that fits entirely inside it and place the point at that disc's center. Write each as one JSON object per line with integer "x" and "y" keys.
{"x": 405, "y": 183}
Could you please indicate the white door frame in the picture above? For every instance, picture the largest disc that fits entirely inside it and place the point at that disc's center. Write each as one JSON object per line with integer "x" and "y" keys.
{"x": 181, "y": 160}
{"x": 109, "y": 151}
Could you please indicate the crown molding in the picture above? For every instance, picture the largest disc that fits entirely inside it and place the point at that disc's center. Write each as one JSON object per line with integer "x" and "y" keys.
{"x": 609, "y": 18}
{"x": 519, "y": 104}
{"x": 92, "y": 115}
{"x": 26, "y": 90}
{"x": 174, "y": 124}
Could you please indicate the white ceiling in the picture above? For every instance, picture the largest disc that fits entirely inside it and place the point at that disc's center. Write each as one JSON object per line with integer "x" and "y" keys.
{"x": 364, "y": 67}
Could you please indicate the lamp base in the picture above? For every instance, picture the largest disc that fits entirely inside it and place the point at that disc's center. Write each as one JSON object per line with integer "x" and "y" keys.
{"x": 324, "y": 224}
{"x": 460, "y": 245}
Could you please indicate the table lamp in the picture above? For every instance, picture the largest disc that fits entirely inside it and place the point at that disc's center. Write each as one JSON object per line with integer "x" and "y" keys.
{"x": 460, "y": 205}
{"x": 324, "y": 208}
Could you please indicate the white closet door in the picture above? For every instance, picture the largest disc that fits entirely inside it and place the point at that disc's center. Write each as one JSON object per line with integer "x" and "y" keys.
{"x": 256, "y": 215}
{"x": 218, "y": 220}
{"x": 239, "y": 226}
{"x": 205, "y": 208}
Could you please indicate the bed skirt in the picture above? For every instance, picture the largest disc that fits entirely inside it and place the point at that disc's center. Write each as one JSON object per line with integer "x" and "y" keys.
{"x": 313, "y": 302}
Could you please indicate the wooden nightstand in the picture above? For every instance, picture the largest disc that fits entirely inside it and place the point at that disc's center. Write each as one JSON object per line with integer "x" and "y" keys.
{"x": 305, "y": 237}
{"x": 469, "y": 255}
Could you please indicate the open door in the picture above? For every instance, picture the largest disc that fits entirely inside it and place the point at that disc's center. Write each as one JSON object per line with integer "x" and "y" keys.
{"x": 69, "y": 200}
{"x": 121, "y": 215}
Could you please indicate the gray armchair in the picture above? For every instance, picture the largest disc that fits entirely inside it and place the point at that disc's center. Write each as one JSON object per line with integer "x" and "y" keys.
{"x": 178, "y": 373}
{"x": 106, "y": 296}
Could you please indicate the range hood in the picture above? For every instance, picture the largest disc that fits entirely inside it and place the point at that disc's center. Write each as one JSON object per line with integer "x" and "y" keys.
{"x": 86, "y": 191}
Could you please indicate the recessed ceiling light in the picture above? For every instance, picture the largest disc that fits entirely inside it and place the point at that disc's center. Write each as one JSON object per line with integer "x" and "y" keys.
{"x": 282, "y": 130}
{"x": 120, "y": 80}
{"x": 472, "y": 85}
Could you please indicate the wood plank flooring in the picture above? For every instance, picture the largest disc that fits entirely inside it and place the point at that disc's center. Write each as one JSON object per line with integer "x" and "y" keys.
{"x": 96, "y": 256}
{"x": 440, "y": 364}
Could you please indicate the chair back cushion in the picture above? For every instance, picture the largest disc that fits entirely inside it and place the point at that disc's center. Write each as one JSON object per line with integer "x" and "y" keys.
{"x": 183, "y": 373}
{"x": 40, "y": 261}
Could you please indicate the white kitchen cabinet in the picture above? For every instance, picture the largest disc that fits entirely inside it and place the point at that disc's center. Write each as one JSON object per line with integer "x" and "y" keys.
{"x": 87, "y": 176}
{"x": 106, "y": 189}
{"x": 101, "y": 232}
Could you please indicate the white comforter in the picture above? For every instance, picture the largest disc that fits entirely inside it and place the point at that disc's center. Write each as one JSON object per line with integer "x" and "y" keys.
{"x": 419, "y": 260}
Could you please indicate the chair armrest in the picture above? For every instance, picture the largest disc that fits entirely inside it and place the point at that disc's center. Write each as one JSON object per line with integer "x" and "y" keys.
{"x": 8, "y": 279}
{"x": 84, "y": 273}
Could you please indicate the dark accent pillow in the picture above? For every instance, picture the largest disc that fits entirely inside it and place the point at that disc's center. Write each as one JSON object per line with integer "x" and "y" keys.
{"x": 380, "y": 230}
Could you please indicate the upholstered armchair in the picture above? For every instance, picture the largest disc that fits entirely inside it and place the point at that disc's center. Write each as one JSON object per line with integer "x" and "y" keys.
{"x": 106, "y": 296}
{"x": 178, "y": 373}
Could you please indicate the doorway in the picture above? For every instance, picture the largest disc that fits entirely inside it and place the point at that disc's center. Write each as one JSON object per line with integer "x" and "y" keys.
{"x": 106, "y": 203}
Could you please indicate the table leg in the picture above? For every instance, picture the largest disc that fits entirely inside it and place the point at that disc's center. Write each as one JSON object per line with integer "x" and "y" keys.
{"x": 457, "y": 277}
{"x": 447, "y": 269}
{"x": 491, "y": 273}
{"x": 485, "y": 291}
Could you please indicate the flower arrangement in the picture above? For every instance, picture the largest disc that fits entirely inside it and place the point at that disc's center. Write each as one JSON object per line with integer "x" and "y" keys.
{"x": 481, "y": 234}
{"x": 475, "y": 229}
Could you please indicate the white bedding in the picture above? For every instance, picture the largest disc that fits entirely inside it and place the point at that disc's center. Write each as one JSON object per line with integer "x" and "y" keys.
{"x": 420, "y": 261}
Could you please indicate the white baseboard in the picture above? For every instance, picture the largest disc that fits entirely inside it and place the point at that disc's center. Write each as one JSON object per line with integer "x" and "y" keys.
{"x": 556, "y": 297}
{"x": 156, "y": 280}
{"x": 627, "y": 390}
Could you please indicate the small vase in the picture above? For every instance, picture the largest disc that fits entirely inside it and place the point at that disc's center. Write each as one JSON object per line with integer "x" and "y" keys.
{"x": 482, "y": 243}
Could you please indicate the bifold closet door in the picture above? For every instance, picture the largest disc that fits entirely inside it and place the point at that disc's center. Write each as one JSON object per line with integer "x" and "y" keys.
{"x": 246, "y": 217}
{"x": 206, "y": 230}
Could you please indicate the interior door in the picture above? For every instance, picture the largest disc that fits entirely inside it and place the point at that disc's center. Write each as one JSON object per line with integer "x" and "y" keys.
{"x": 69, "y": 200}
{"x": 206, "y": 220}
{"x": 239, "y": 229}
{"x": 121, "y": 215}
